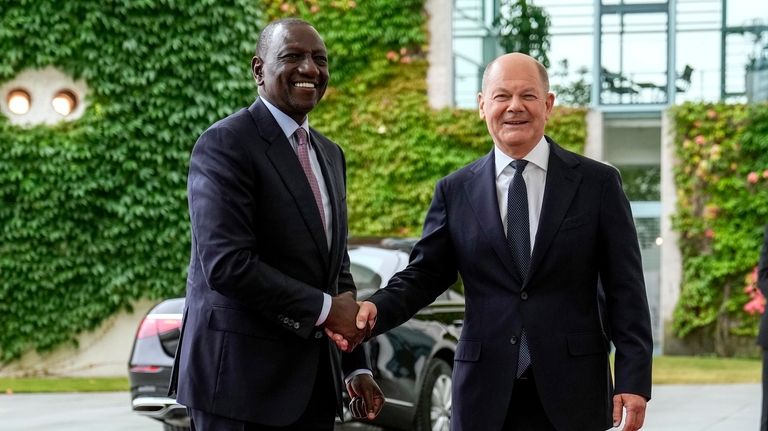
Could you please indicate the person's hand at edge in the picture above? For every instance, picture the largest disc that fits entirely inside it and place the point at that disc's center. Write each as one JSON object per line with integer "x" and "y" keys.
{"x": 362, "y": 388}
{"x": 366, "y": 314}
{"x": 635, "y": 406}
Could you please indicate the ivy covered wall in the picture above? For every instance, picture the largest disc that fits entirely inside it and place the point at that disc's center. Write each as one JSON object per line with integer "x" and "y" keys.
{"x": 721, "y": 177}
{"x": 93, "y": 213}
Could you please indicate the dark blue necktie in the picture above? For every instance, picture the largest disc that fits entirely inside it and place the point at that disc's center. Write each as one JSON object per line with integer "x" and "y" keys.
{"x": 519, "y": 242}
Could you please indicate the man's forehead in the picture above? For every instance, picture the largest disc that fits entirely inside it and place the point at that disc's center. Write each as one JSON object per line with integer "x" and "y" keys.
{"x": 295, "y": 34}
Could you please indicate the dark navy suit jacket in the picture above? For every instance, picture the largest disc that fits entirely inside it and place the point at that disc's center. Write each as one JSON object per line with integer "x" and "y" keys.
{"x": 585, "y": 231}
{"x": 260, "y": 263}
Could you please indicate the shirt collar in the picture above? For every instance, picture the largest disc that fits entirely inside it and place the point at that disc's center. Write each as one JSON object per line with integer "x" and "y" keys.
{"x": 538, "y": 156}
{"x": 286, "y": 123}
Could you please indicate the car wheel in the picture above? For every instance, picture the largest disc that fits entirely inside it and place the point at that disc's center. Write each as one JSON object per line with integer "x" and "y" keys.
{"x": 167, "y": 427}
{"x": 433, "y": 411}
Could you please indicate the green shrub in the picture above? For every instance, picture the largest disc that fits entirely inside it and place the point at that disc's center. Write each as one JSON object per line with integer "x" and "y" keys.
{"x": 721, "y": 178}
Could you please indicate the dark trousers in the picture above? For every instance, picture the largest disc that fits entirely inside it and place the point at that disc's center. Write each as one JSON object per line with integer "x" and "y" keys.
{"x": 318, "y": 416}
{"x": 525, "y": 412}
{"x": 764, "y": 416}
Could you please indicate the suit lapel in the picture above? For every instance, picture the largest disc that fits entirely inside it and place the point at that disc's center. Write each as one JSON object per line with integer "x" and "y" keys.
{"x": 286, "y": 163}
{"x": 481, "y": 193}
{"x": 560, "y": 188}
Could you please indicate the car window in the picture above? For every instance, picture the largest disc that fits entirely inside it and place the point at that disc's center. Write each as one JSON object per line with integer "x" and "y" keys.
{"x": 365, "y": 278}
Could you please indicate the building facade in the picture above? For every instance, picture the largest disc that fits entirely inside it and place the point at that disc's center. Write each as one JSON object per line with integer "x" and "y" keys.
{"x": 628, "y": 61}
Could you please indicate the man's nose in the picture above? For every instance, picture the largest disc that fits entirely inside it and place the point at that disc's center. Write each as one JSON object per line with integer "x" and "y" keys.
{"x": 308, "y": 66}
{"x": 515, "y": 104}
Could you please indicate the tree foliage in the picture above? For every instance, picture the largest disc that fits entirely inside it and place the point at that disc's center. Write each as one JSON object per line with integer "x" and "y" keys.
{"x": 524, "y": 27}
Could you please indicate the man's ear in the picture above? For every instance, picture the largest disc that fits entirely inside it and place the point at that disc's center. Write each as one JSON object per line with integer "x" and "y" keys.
{"x": 257, "y": 68}
{"x": 480, "y": 105}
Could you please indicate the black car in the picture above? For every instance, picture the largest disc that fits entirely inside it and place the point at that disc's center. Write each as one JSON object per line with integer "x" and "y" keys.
{"x": 411, "y": 363}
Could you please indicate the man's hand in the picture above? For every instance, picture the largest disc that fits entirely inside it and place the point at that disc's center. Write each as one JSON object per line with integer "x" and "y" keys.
{"x": 367, "y": 398}
{"x": 340, "y": 323}
{"x": 635, "y": 405}
{"x": 364, "y": 321}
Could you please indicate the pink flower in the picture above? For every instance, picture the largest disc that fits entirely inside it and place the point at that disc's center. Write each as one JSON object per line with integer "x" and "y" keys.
{"x": 314, "y": 9}
{"x": 711, "y": 114}
{"x": 709, "y": 233}
{"x": 285, "y": 7}
{"x": 711, "y": 212}
{"x": 752, "y": 177}
{"x": 700, "y": 140}
{"x": 755, "y": 305}
{"x": 403, "y": 51}
{"x": 392, "y": 56}
{"x": 405, "y": 59}
{"x": 765, "y": 174}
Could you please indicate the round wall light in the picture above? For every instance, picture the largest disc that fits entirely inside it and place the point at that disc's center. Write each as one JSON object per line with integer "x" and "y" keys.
{"x": 64, "y": 102}
{"x": 19, "y": 101}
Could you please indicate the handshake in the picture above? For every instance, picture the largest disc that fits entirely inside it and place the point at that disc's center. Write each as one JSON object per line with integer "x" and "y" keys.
{"x": 349, "y": 322}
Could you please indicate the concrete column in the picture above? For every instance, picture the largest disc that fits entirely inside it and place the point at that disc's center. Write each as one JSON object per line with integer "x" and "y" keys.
{"x": 594, "y": 148}
{"x": 671, "y": 259}
{"x": 440, "y": 55}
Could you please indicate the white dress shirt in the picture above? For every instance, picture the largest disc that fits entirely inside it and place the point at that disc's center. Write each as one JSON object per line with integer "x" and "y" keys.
{"x": 535, "y": 176}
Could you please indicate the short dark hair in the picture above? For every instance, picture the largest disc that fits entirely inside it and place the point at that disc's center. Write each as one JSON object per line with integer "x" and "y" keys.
{"x": 265, "y": 38}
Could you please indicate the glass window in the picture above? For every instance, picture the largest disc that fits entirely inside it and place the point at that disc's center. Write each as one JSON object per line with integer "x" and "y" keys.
{"x": 365, "y": 278}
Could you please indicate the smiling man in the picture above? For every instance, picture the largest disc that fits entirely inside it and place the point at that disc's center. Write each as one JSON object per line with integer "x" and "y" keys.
{"x": 533, "y": 230}
{"x": 269, "y": 269}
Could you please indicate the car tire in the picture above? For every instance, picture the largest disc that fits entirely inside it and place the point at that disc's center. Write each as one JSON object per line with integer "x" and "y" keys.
{"x": 433, "y": 411}
{"x": 167, "y": 427}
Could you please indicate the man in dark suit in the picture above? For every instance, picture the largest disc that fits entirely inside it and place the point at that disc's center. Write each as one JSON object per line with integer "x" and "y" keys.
{"x": 531, "y": 228}
{"x": 762, "y": 338}
{"x": 269, "y": 267}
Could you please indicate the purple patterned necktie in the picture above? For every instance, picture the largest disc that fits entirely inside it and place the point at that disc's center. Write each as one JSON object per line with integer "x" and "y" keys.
{"x": 519, "y": 242}
{"x": 303, "y": 153}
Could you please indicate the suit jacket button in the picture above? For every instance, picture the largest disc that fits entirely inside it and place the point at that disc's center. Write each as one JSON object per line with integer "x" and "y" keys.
{"x": 513, "y": 340}
{"x": 296, "y": 325}
{"x": 286, "y": 320}
{"x": 318, "y": 334}
{"x": 524, "y": 296}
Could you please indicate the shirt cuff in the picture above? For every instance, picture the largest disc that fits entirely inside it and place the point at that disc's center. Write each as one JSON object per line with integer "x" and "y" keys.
{"x": 357, "y": 372}
{"x": 325, "y": 311}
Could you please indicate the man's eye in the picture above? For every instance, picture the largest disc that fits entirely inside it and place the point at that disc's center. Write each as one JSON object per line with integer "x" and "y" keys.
{"x": 501, "y": 97}
{"x": 321, "y": 60}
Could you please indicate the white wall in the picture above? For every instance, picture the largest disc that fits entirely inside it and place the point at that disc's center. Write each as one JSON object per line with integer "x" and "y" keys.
{"x": 101, "y": 353}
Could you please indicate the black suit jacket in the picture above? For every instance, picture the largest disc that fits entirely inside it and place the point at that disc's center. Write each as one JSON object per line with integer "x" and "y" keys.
{"x": 585, "y": 231}
{"x": 260, "y": 262}
{"x": 762, "y": 284}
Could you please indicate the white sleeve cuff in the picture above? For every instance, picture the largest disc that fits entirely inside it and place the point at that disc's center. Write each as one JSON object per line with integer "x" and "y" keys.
{"x": 357, "y": 372}
{"x": 325, "y": 311}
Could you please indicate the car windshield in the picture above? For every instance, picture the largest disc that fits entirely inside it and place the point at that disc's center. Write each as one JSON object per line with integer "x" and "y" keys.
{"x": 365, "y": 278}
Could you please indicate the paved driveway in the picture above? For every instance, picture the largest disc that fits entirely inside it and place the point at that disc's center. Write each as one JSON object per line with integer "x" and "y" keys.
{"x": 674, "y": 408}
